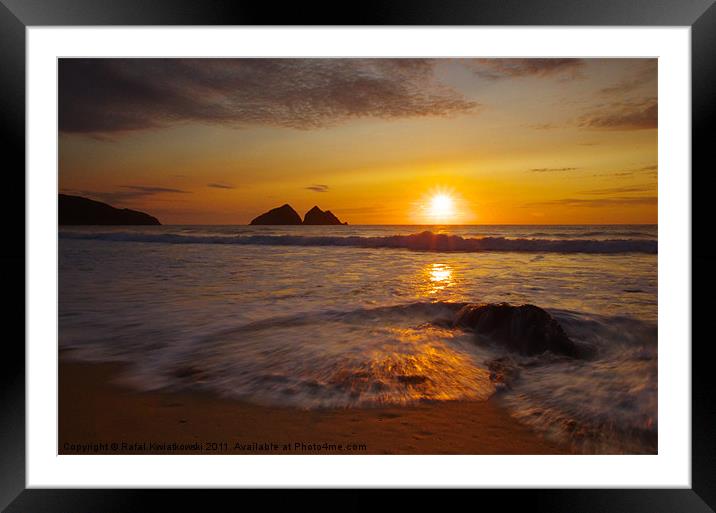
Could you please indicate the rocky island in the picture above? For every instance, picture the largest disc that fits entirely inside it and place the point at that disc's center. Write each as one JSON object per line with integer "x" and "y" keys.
{"x": 318, "y": 216}
{"x": 286, "y": 215}
{"x": 77, "y": 210}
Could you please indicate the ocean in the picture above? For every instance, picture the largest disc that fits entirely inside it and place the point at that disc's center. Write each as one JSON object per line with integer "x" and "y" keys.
{"x": 353, "y": 317}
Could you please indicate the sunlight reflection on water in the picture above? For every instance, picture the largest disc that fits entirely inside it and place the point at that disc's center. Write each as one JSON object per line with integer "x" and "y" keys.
{"x": 439, "y": 276}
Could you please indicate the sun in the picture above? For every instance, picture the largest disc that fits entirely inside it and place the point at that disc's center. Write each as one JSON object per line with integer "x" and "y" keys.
{"x": 442, "y": 207}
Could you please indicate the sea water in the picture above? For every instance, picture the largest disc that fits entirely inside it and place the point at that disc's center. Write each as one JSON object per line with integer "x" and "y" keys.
{"x": 349, "y": 317}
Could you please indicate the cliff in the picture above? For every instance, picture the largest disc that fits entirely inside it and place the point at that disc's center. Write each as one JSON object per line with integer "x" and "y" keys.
{"x": 76, "y": 210}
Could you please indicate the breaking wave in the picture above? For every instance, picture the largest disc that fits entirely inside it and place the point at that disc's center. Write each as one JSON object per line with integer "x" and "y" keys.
{"x": 424, "y": 241}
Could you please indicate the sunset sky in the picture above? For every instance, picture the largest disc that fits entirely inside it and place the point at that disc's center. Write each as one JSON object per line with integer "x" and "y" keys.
{"x": 508, "y": 141}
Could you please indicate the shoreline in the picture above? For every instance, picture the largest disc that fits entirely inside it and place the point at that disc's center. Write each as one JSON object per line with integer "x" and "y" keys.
{"x": 98, "y": 416}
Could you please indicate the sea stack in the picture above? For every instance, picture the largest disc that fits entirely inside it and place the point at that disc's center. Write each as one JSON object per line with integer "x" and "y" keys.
{"x": 318, "y": 216}
{"x": 284, "y": 214}
{"x": 76, "y": 210}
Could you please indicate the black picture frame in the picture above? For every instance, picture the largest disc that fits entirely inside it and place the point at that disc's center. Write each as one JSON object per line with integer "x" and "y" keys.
{"x": 17, "y": 15}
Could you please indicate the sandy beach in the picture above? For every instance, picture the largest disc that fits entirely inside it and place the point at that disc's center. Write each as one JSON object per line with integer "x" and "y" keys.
{"x": 98, "y": 415}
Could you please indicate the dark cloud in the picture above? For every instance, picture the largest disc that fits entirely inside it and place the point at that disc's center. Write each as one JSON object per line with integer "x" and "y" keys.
{"x": 99, "y": 97}
{"x": 220, "y": 186}
{"x": 152, "y": 190}
{"x": 112, "y": 197}
{"x": 632, "y": 115}
{"x": 495, "y": 69}
{"x": 317, "y": 187}
{"x": 126, "y": 194}
{"x": 618, "y": 173}
{"x": 626, "y": 201}
{"x": 552, "y": 169}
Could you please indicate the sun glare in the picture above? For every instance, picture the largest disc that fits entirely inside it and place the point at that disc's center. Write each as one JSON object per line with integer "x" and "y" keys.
{"x": 442, "y": 207}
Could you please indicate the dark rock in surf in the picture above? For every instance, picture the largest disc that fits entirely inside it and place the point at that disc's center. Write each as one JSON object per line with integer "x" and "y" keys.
{"x": 526, "y": 329}
{"x": 316, "y": 216}
{"x": 77, "y": 210}
{"x": 284, "y": 214}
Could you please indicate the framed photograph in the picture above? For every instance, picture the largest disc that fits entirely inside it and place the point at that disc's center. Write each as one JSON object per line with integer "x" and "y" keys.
{"x": 436, "y": 247}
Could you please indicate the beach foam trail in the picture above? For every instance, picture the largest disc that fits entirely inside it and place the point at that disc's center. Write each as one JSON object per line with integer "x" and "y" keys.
{"x": 407, "y": 353}
{"x": 424, "y": 241}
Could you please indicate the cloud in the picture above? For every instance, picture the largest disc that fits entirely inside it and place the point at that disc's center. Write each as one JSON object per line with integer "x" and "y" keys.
{"x": 152, "y": 190}
{"x": 100, "y": 97}
{"x": 632, "y": 115}
{"x": 496, "y": 69}
{"x": 653, "y": 168}
{"x": 552, "y": 169}
{"x": 112, "y": 197}
{"x": 542, "y": 126}
{"x": 625, "y": 201}
{"x": 220, "y": 186}
{"x": 621, "y": 190}
{"x": 645, "y": 76}
{"x": 622, "y": 87}
{"x": 618, "y": 173}
{"x": 126, "y": 194}
{"x": 317, "y": 188}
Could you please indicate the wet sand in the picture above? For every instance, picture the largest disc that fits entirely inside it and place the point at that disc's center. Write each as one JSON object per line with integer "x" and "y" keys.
{"x": 97, "y": 415}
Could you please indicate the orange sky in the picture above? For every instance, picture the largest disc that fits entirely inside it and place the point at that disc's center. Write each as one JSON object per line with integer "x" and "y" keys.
{"x": 516, "y": 141}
